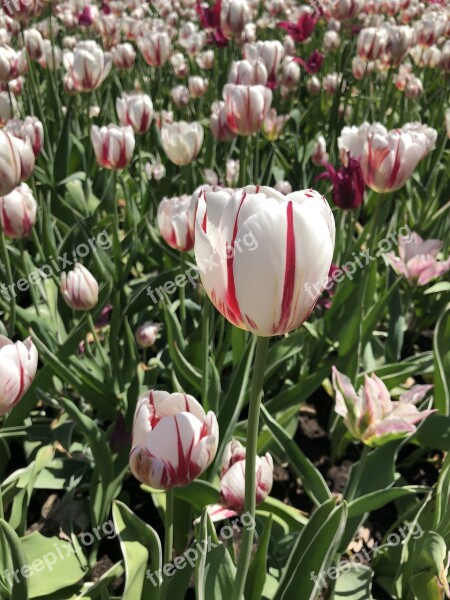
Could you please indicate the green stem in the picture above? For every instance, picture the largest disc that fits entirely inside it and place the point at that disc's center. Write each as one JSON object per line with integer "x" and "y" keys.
{"x": 182, "y": 293}
{"x": 100, "y": 348}
{"x": 168, "y": 528}
{"x": 355, "y": 476}
{"x": 10, "y": 281}
{"x": 205, "y": 352}
{"x": 250, "y": 466}
{"x": 243, "y": 161}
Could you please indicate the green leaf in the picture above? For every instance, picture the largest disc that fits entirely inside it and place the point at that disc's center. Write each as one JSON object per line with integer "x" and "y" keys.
{"x": 380, "y": 498}
{"x": 17, "y": 560}
{"x": 138, "y": 541}
{"x": 312, "y": 480}
{"x": 354, "y": 582}
{"x": 441, "y": 350}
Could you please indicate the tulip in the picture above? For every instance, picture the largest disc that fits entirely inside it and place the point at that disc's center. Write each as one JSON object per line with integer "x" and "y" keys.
{"x": 173, "y": 440}
{"x": 372, "y": 42}
{"x": 313, "y": 86}
{"x": 8, "y": 106}
{"x": 234, "y": 16}
{"x": 123, "y": 56}
{"x": 12, "y": 63}
{"x": 371, "y": 416}
{"x": 182, "y": 141}
{"x": 205, "y": 60}
{"x": 20, "y": 10}
{"x": 414, "y": 88}
{"x": 270, "y": 52}
{"x": 320, "y": 154}
{"x": 79, "y": 288}
{"x": 146, "y": 334}
{"x": 417, "y": 261}
{"x": 259, "y": 252}
{"x": 273, "y": 124}
{"x": 113, "y": 145}
{"x": 284, "y": 187}
{"x": 18, "y": 365}
{"x": 245, "y": 72}
{"x": 331, "y": 41}
{"x": 10, "y": 167}
{"x": 135, "y": 110}
{"x": 232, "y": 481}
{"x": 155, "y": 48}
{"x": 197, "y": 86}
{"x": 30, "y": 128}
{"x": 232, "y": 172}
{"x": 180, "y": 96}
{"x": 348, "y": 184}
{"x": 33, "y": 43}
{"x": 330, "y": 83}
{"x": 301, "y": 30}
{"x": 218, "y": 123}
{"x": 18, "y": 212}
{"x": 388, "y": 158}
{"x": 444, "y": 57}
{"x": 290, "y": 74}
{"x": 51, "y": 56}
{"x": 346, "y": 9}
{"x": 173, "y": 222}
{"x": 246, "y": 107}
{"x": 88, "y": 65}
{"x": 180, "y": 65}
{"x": 313, "y": 64}
{"x": 26, "y": 157}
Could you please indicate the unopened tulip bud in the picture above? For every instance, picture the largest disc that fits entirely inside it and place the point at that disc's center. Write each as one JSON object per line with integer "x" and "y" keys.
{"x": 146, "y": 334}
{"x": 197, "y": 86}
{"x": 331, "y": 41}
{"x": 18, "y": 212}
{"x": 233, "y": 17}
{"x": 320, "y": 155}
{"x": 173, "y": 440}
{"x": 284, "y": 187}
{"x": 135, "y": 110}
{"x": 18, "y": 365}
{"x": 27, "y": 158}
{"x": 33, "y": 43}
{"x": 79, "y": 288}
{"x": 180, "y": 96}
{"x": 205, "y": 60}
{"x": 113, "y": 145}
{"x": 313, "y": 86}
{"x": 173, "y": 222}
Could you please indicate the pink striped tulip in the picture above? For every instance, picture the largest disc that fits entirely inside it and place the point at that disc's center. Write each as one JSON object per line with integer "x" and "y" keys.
{"x": 173, "y": 440}
{"x": 18, "y": 365}
{"x": 135, "y": 110}
{"x": 260, "y": 252}
{"x": 417, "y": 261}
{"x": 10, "y": 164}
{"x": 371, "y": 416}
{"x": 79, "y": 288}
{"x": 18, "y": 212}
{"x": 113, "y": 145}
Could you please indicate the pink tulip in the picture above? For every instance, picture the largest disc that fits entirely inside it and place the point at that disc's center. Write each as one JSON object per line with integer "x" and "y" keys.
{"x": 18, "y": 365}
{"x": 135, "y": 110}
{"x": 371, "y": 416}
{"x": 259, "y": 252}
{"x": 173, "y": 440}
{"x": 79, "y": 288}
{"x": 173, "y": 222}
{"x": 113, "y": 145}
{"x": 417, "y": 261}
{"x": 18, "y": 212}
{"x": 146, "y": 334}
{"x": 246, "y": 107}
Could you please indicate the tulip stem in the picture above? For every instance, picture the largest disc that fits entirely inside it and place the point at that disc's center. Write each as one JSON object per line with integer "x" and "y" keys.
{"x": 10, "y": 281}
{"x": 168, "y": 528}
{"x": 243, "y": 160}
{"x": 250, "y": 466}
{"x": 182, "y": 294}
{"x": 205, "y": 352}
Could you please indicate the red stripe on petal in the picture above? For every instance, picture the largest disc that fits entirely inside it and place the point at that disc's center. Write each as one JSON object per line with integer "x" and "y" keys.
{"x": 289, "y": 274}
{"x": 234, "y": 312}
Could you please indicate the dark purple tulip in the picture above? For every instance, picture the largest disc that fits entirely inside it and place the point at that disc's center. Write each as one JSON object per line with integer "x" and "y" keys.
{"x": 313, "y": 64}
{"x": 348, "y": 184}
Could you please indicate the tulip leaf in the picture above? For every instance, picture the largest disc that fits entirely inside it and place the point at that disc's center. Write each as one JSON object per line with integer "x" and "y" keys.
{"x": 258, "y": 567}
{"x": 15, "y": 559}
{"x": 312, "y": 480}
{"x": 138, "y": 542}
{"x": 441, "y": 349}
{"x": 313, "y": 552}
{"x": 63, "y": 149}
{"x": 380, "y": 498}
{"x": 354, "y": 581}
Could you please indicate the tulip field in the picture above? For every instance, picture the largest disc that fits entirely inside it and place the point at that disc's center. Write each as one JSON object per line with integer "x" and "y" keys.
{"x": 225, "y": 300}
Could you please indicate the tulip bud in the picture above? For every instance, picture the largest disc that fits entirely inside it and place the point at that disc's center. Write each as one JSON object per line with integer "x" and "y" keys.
{"x": 232, "y": 477}
{"x": 233, "y": 17}
{"x": 18, "y": 212}
{"x": 146, "y": 334}
{"x": 331, "y": 82}
{"x": 246, "y": 107}
{"x": 180, "y": 96}
{"x": 18, "y": 365}
{"x": 135, "y": 110}
{"x": 182, "y": 141}
{"x": 123, "y": 56}
{"x": 219, "y": 124}
{"x": 265, "y": 246}
{"x": 113, "y": 145}
{"x": 173, "y": 222}
{"x": 232, "y": 172}
{"x": 33, "y": 43}
{"x": 155, "y": 48}
{"x": 284, "y": 187}
{"x": 173, "y": 440}
{"x": 414, "y": 88}
{"x": 290, "y": 75}
{"x": 79, "y": 288}
{"x": 30, "y": 128}
{"x": 8, "y": 106}
{"x": 197, "y": 86}
{"x": 10, "y": 167}
{"x": 313, "y": 86}
{"x": 320, "y": 155}
{"x": 180, "y": 65}
{"x": 12, "y": 63}
{"x": 331, "y": 41}
{"x": 27, "y": 159}
{"x": 205, "y": 60}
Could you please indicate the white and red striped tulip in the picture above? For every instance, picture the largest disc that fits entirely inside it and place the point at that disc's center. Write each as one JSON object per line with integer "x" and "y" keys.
{"x": 371, "y": 416}
{"x": 218, "y": 123}
{"x": 182, "y": 141}
{"x": 33, "y": 43}
{"x": 12, "y": 63}
{"x": 246, "y": 107}
{"x": 270, "y": 52}
{"x": 173, "y": 222}
{"x": 417, "y": 260}
{"x": 259, "y": 253}
{"x": 135, "y": 110}
{"x": 197, "y": 86}
{"x": 173, "y": 440}
{"x": 388, "y": 158}
{"x": 79, "y": 288}
{"x": 8, "y": 106}
{"x": 18, "y": 365}
{"x": 88, "y": 65}
{"x": 10, "y": 167}
{"x": 245, "y": 72}
{"x": 234, "y": 15}
{"x": 123, "y": 56}
{"x": 18, "y": 212}
{"x": 113, "y": 145}
{"x": 30, "y": 128}
{"x": 26, "y": 155}
{"x": 155, "y": 48}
